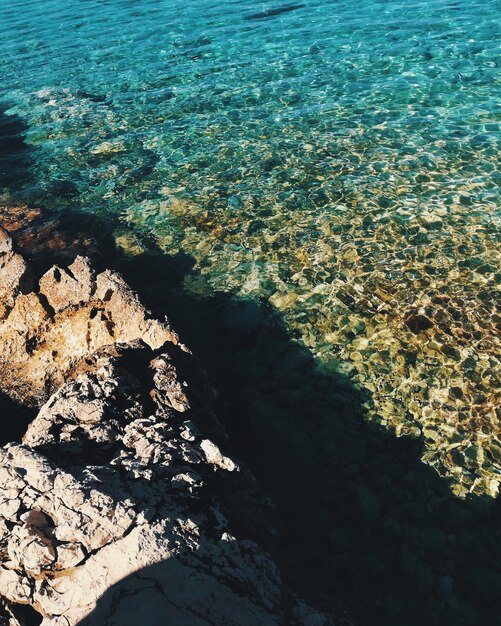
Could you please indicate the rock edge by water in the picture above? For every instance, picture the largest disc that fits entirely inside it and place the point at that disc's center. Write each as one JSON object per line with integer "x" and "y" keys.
{"x": 116, "y": 507}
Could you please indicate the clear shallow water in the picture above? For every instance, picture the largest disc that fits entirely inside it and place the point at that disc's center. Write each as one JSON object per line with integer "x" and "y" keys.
{"x": 340, "y": 163}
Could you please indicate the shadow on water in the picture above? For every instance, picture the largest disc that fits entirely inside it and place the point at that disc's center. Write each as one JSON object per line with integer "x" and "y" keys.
{"x": 15, "y": 154}
{"x": 364, "y": 521}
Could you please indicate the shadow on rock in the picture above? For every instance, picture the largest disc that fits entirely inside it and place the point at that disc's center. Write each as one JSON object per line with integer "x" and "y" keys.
{"x": 363, "y": 519}
{"x": 364, "y": 522}
{"x": 122, "y": 496}
{"x": 15, "y": 419}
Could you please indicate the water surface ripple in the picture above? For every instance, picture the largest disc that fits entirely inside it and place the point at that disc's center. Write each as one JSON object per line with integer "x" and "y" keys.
{"x": 340, "y": 163}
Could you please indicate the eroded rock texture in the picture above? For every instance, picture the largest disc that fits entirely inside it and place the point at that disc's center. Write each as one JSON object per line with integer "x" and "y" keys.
{"x": 119, "y": 506}
{"x": 72, "y": 312}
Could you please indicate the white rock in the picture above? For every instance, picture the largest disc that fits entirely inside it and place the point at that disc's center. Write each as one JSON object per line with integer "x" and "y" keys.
{"x": 213, "y": 455}
{"x": 104, "y": 509}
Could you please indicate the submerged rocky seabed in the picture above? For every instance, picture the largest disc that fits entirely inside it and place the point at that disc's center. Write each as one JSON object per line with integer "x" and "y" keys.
{"x": 402, "y": 299}
{"x": 379, "y": 246}
{"x": 311, "y": 195}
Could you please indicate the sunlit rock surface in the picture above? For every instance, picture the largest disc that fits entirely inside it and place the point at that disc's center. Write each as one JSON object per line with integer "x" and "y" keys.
{"x": 71, "y": 313}
{"x": 120, "y": 506}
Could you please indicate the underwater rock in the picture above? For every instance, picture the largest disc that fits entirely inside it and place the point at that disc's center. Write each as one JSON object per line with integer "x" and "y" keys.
{"x": 37, "y": 233}
{"x": 271, "y": 12}
{"x": 119, "y": 502}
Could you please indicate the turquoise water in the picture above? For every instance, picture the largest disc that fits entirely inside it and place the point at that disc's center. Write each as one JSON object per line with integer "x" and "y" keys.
{"x": 337, "y": 161}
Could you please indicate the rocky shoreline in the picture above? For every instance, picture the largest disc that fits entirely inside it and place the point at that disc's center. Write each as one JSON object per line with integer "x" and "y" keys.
{"x": 119, "y": 506}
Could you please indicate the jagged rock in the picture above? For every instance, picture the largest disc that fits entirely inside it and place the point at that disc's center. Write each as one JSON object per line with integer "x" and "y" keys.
{"x": 71, "y": 287}
{"x": 12, "y": 268}
{"x": 30, "y": 549}
{"x": 213, "y": 455}
{"x": 44, "y": 334}
{"x": 118, "y": 507}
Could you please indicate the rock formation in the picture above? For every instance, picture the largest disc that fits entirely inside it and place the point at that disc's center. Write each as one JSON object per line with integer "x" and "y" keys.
{"x": 119, "y": 506}
{"x": 71, "y": 314}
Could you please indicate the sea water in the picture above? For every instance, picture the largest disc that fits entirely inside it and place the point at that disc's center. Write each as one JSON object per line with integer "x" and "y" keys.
{"x": 336, "y": 160}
